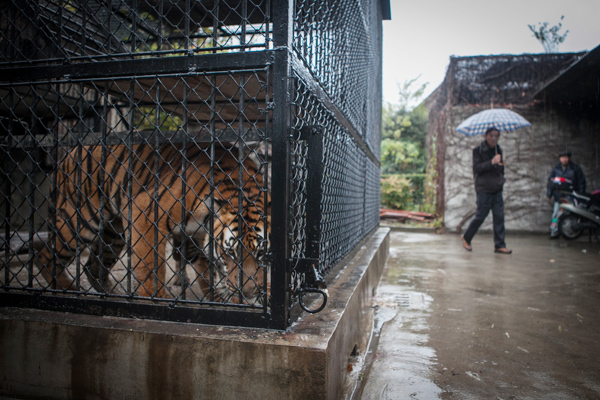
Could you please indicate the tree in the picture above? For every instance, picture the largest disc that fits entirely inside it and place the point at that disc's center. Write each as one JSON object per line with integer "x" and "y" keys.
{"x": 403, "y": 155}
{"x": 550, "y": 38}
{"x": 409, "y": 95}
{"x": 404, "y": 131}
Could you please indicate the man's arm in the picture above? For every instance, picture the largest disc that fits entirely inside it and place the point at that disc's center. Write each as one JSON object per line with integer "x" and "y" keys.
{"x": 549, "y": 188}
{"x": 580, "y": 183}
{"x": 480, "y": 164}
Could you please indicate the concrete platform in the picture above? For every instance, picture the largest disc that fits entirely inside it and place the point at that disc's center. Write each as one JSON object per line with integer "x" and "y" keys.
{"x": 53, "y": 355}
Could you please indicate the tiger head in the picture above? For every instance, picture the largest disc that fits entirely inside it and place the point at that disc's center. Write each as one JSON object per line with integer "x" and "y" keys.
{"x": 237, "y": 250}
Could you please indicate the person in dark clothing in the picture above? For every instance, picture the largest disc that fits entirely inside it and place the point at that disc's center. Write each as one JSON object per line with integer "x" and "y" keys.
{"x": 573, "y": 173}
{"x": 488, "y": 171}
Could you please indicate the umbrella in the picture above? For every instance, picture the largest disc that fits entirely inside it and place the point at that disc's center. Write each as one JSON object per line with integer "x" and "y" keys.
{"x": 500, "y": 118}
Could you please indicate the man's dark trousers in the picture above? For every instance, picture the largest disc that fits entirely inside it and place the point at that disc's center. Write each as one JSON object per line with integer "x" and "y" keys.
{"x": 485, "y": 203}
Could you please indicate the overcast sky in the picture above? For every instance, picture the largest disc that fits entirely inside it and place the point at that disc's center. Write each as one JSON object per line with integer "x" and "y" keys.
{"x": 423, "y": 34}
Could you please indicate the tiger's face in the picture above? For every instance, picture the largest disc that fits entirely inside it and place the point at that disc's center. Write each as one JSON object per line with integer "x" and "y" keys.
{"x": 238, "y": 252}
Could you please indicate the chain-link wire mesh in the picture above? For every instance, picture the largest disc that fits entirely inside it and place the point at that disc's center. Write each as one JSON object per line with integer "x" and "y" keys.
{"x": 55, "y": 31}
{"x": 137, "y": 147}
{"x": 108, "y": 184}
{"x": 348, "y": 186}
{"x": 340, "y": 41}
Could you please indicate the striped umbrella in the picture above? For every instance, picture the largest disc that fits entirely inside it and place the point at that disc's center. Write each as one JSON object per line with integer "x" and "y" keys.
{"x": 500, "y": 118}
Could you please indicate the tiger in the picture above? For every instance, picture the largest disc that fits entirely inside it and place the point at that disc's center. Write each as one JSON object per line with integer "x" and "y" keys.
{"x": 107, "y": 198}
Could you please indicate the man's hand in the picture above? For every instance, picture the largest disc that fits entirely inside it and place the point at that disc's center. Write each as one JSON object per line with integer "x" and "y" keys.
{"x": 497, "y": 160}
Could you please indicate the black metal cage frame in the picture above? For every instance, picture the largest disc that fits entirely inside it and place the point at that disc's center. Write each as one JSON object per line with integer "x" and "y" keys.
{"x": 273, "y": 106}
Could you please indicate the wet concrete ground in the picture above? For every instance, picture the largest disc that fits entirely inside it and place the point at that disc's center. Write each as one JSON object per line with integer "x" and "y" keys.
{"x": 457, "y": 325}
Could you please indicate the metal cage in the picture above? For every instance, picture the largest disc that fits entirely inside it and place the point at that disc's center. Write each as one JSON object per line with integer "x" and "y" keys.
{"x": 195, "y": 161}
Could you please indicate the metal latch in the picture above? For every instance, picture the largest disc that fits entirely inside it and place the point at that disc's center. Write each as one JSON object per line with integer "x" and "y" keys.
{"x": 313, "y": 282}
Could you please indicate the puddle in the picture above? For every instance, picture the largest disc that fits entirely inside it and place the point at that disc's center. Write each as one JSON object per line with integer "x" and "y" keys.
{"x": 399, "y": 362}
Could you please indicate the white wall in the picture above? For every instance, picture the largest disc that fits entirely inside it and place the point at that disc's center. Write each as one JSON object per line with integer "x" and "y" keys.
{"x": 530, "y": 155}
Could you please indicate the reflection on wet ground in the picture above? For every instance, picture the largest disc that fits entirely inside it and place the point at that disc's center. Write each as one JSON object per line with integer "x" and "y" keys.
{"x": 450, "y": 324}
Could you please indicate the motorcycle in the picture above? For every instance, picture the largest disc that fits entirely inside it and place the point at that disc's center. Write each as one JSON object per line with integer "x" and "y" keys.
{"x": 583, "y": 212}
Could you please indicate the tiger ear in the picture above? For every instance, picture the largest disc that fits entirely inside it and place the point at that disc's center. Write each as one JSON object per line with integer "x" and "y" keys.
{"x": 218, "y": 204}
{"x": 202, "y": 212}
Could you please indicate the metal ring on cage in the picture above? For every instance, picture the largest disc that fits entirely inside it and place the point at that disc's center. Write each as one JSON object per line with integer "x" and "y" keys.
{"x": 312, "y": 290}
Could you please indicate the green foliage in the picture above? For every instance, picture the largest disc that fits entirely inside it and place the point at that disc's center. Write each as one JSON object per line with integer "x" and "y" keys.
{"x": 394, "y": 122}
{"x": 402, "y": 191}
{"x": 431, "y": 178}
{"x": 418, "y": 183}
{"x": 403, "y": 152}
{"x": 409, "y": 95}
{"x": 146, "y": 119}
{"x": 550, "y": 38}
{"x": 398, "y": 156}
{"x": 401, "y": 124}
{"x": 438, "y": 224}
{"x": 403, "y": 145}
{"x": 396, "y": 192}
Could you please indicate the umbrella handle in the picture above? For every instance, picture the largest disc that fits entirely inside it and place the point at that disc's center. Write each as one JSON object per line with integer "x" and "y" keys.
{"x": 501, "y": 163}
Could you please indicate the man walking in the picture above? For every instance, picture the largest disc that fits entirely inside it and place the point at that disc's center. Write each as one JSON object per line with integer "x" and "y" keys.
{"x": 573, "y": 174}
{"x": 488, "y": 171}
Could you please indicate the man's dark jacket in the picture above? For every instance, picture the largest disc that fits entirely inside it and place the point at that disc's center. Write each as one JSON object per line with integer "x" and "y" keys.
{"x": 489, "y": 178}
{"x": 571, "y": 172}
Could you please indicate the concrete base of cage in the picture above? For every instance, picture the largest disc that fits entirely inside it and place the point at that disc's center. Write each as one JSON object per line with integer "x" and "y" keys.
{"x": 54, "y": 355}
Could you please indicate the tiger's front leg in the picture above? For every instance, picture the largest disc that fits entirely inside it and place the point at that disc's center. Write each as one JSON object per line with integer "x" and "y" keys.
{"x": 148, "y": 245}
{"x": 97, "y": 268}
{"x": 53, "y": 263}
{"x": 182, "y": 252}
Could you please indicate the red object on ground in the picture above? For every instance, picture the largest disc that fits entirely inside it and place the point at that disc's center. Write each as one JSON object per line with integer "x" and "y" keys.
{"x": 402, "y": 215}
